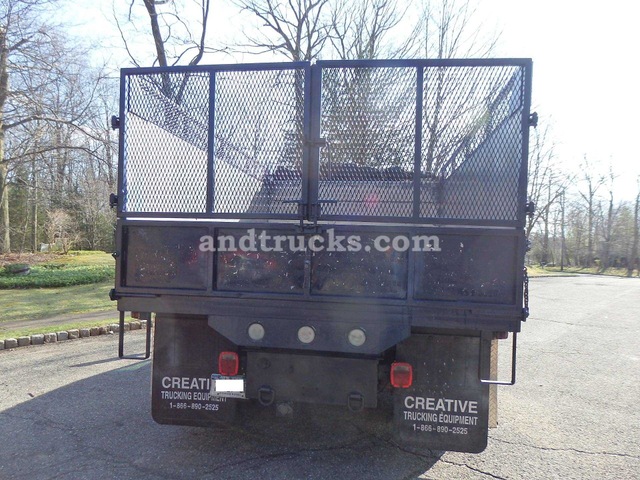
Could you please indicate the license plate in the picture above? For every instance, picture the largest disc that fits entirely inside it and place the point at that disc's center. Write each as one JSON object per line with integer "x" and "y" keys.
{"x": 227, "y": 387}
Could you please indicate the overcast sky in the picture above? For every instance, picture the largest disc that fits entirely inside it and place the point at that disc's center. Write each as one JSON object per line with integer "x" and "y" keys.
{"x": 584, "y": 79}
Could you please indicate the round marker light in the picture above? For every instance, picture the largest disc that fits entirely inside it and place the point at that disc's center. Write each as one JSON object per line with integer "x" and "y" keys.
{"x": 256, "y": 332}
{"x": 306, "y": 334}
{"x": 357, "y": 337}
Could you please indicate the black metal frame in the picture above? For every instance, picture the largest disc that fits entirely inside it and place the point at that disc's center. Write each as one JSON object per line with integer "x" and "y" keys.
{"x": 309, "y": 218}
{"x": 147, "y": 351}
{"x": 310, "y": 203}
{"x": 425, "y": 313}
{"x": 211, "y": 70}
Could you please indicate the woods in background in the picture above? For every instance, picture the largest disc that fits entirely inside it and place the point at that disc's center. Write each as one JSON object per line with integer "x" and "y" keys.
{"x": 58, "y": 156}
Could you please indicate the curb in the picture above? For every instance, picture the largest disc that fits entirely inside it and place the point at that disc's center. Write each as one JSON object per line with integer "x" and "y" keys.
{"x": 65, "y": 335}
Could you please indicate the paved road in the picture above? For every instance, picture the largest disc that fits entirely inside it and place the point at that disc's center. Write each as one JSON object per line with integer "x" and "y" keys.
{"x": 73, "y": 411}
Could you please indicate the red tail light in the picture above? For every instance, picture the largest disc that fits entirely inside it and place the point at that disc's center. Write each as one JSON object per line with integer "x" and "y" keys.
{"x": 401, "y": 375}
{"x": 228, "y": 364}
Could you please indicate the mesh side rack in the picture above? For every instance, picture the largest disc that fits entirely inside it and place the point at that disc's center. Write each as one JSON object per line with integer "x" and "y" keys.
{"x": 418, "y": 141}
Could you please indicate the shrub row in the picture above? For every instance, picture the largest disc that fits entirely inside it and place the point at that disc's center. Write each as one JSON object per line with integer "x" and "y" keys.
{"x": 43, "y": 277}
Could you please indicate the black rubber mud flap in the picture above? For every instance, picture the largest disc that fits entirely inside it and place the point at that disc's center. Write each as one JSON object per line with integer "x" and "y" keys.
{"x": 446, "y": 408}
{"x": 185, "y": 355}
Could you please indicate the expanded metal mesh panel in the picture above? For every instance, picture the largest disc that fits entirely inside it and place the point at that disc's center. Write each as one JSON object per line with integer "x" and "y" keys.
{"x": 471, "y": 142}
{"x": 257, "y": 126}
{"x": 368, "y": 120}
{"x": 258, "y": 141}
{"x": 414, "y": 141}
{"x": 165, "y": 143}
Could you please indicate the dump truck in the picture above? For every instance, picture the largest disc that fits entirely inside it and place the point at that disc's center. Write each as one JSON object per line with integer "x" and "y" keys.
{"x": 346, "y": 233}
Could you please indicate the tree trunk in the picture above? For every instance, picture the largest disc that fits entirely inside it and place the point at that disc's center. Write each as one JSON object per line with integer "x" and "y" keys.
{"x": 633, "y": 260}
{"x": 606, "y": 261}
{"x": 4, "y": 201}
{"x": 4, "y": 169}
{"x": 34, "y": 242}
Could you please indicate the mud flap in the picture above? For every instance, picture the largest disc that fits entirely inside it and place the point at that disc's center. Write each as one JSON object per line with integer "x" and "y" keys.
{"x": 447, "y": 407}
{"x": 185, "y": 355}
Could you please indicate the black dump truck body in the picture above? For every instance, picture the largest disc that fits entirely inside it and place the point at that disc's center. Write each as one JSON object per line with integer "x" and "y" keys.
{"x": 326, "y": 233}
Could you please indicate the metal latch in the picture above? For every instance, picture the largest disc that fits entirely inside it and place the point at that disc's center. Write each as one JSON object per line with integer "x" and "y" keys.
{"x": 318, "y": 143}
{"x": 316, "y": 208}
{"x": 530, "y": 209}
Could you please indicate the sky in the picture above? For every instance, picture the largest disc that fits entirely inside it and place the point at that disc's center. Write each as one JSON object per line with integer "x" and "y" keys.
{"x": 584, "y": 77}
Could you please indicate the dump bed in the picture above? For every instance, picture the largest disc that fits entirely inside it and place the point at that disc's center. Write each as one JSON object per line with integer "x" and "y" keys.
{"x": 389, "y": 194}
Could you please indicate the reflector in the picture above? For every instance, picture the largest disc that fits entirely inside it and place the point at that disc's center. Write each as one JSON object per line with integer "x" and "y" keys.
{"x": 228, "y": 364}
{"x": 256, "y": 332}
{"x": 401, "y": 375}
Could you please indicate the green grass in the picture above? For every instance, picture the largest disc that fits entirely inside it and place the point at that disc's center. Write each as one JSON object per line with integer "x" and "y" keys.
{"x": 27, "y": 331}
{"x": 84, "y": 257}
{"x": 75, "y": 268}
{"x": 36, "y": 303}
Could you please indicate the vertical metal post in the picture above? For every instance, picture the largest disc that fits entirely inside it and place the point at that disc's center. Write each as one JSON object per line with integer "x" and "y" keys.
{"x": 148, "y": 348}
{"x": 306, "y": 146}
{"x": 525, "y": 70}
{"x": 121, "y": 336}
{"x": 122, "y": 194}
{"x": 314, "y": 142}
{"x": 211, "y": 175}
{"x": 417, "y": 154}
{"x": 147, "y": 353}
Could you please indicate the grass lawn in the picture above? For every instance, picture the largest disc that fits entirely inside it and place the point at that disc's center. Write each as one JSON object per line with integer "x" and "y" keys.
{"x": 28, "y": 302}
{"x": 35, "y": 303}
{"x": 55, "y": 270}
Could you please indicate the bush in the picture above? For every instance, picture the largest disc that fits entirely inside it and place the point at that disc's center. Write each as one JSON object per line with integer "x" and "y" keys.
{"x": 15, "y": 268}
{"x": 47, "y": 277}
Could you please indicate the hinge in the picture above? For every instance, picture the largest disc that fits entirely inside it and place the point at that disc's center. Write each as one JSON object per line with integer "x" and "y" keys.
{"x": 113, "y": 200}
{"x": 115, "y": 122}
{"x": 533, "y": 119}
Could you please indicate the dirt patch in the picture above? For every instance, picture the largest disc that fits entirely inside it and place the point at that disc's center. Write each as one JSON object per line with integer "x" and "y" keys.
{"x": 28, "y": 258}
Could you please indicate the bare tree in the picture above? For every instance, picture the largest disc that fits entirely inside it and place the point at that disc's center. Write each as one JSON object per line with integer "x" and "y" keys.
{"x": 61, "y": 230}
{"x": 451, "y": 29}
{"x": 171, "y": 28}
{"x": 297, "y": 29}
{"x": 608, "y": 223}
{"x": 22, "y": 38}
{"x": 592, "y": 182}
{"x": 547, "y": 184}
{"x": 634, "y": 261}
{"x": 362, "y": 30}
